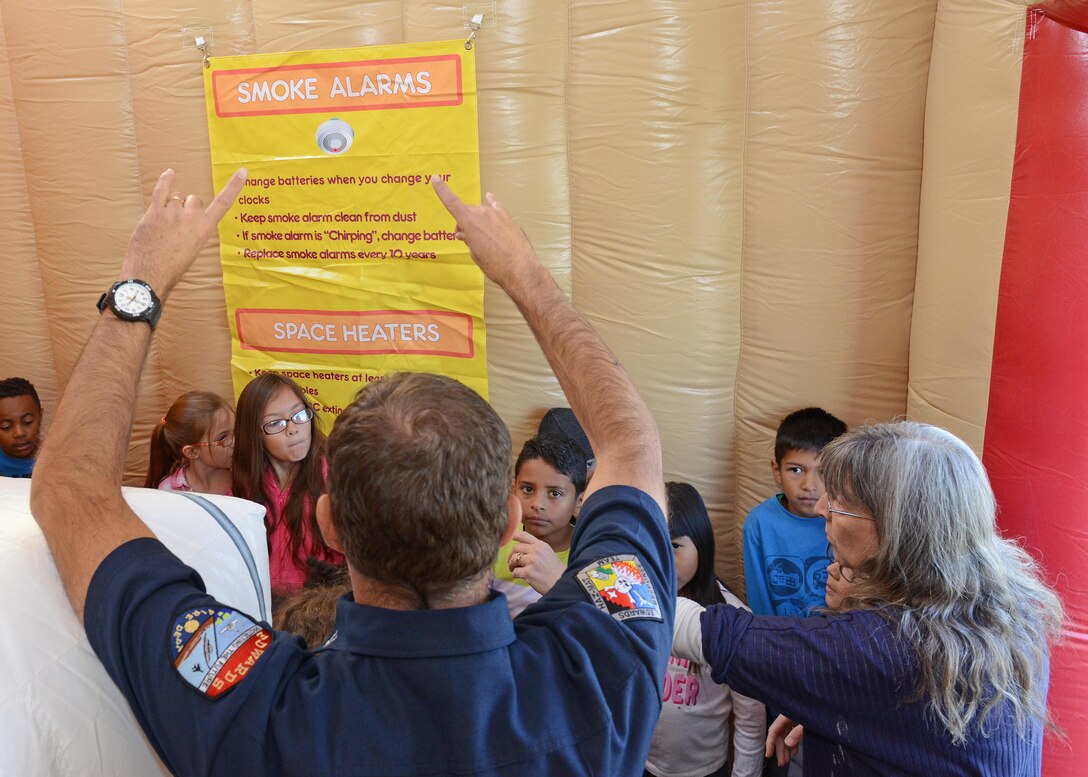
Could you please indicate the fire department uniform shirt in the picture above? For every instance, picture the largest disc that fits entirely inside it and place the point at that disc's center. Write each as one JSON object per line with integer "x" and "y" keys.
{"x": 570, "y": 687}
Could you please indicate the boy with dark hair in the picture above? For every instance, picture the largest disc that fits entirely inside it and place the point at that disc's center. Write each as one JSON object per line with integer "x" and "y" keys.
{"x": 20, "y": 427}
{"x": 549, "y": 479}
{"x": 560, "y": 421}
{"x": 785, "y": 546}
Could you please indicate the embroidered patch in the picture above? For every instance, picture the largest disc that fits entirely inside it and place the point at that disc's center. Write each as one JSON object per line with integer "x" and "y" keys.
{"x": 213, "y": 649}
{"x": 620, "y": 586}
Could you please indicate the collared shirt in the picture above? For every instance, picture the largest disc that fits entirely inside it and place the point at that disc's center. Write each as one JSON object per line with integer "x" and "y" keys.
{"x": 572, "y": 688}
{"x": 178, "y": 480}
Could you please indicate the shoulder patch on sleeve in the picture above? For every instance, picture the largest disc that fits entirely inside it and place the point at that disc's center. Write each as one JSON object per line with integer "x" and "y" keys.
{"x": 214, "y": 648}
{"x": 620, "y": 586}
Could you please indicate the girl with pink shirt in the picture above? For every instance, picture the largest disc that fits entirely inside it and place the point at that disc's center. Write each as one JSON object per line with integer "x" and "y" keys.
{"x": 693, "y": 735}
{"x": 191, "y": 448}
{"x": 279, "y": 462}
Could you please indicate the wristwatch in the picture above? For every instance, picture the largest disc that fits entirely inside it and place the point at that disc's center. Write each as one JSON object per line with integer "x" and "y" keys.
{"x": 132, "y": 300}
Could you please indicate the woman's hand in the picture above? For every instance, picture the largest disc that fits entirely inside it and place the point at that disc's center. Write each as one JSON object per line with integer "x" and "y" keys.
{"x": 838, "y": 588}
{"x": 534, "y": 561}
{"x": 783, "y": 739}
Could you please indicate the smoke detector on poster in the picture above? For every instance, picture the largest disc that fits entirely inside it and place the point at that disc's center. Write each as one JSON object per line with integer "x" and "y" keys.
{"x": 335, "y": 136}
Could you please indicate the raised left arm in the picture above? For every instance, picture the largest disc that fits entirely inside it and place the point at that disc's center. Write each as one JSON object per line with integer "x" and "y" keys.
{"x": 75, "y": 494}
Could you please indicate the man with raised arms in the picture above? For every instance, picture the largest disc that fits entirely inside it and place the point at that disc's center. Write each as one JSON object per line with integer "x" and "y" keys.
{"x": 426, "y": 673}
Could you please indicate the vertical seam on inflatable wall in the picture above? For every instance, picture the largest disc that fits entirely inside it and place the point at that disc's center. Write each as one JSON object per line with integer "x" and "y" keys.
{"x": 1019, "y": 41}
{"x": 566, "y": 152}
{"x": 49, "y": 320}
{"x": 918, "y": 216}
{"x": 153, "y": 355}
{"x": 737, "y": 517}
{"x": 921, "y": 398}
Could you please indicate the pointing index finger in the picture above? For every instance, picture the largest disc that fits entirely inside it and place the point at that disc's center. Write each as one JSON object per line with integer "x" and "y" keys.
{"x": 227, "y": 195}
{"x": 453, "y": 203}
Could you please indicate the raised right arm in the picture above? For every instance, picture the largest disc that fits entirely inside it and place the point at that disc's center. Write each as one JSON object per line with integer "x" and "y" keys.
{"x": 76, "y": 493}
{"x": 617, "y": 421}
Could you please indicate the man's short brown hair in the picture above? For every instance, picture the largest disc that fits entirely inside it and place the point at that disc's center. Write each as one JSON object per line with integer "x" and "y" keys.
{"x": 419, "y": 477}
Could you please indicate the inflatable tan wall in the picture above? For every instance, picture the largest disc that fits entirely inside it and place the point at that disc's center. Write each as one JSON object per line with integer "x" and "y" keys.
{"x": 762, "y": 205}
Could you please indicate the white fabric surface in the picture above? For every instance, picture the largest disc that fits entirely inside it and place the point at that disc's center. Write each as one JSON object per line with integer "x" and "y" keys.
{"x": 60, "y": 714}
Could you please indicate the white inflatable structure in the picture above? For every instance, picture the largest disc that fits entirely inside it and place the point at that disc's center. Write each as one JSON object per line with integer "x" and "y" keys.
{"x": 60, "y": 714}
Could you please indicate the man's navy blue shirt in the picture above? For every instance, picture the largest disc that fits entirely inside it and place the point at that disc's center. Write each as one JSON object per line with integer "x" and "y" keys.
{"x": 571, "y": 687}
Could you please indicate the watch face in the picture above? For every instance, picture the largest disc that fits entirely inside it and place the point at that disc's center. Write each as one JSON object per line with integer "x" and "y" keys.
{"x": 132, "y": 298}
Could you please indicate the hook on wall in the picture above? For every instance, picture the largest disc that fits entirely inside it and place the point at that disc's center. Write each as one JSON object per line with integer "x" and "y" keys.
{"x": 475, "y": 25}
{"x": 202, "y": 44}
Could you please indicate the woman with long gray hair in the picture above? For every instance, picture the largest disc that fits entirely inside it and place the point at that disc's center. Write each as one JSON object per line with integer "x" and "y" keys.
{"x": 937, "y": 659}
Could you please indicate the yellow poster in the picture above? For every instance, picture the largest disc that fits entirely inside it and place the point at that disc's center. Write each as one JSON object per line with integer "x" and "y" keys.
{"x": 339, "y": 263}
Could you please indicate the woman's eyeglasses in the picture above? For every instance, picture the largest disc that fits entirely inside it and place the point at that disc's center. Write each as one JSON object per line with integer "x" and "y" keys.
{"x": 831, "y": 509}
{"x": 277, "y": 425}
{"x": 848, "y": 577}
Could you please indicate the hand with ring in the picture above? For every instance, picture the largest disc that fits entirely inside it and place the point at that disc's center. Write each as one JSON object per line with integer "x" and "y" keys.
{"x": 533, "y": 561}
{"x": 169, "y": 236}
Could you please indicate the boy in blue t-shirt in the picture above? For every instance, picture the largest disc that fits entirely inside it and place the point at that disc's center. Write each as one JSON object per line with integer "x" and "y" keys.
{"x": 20, "y": 427}
{"x": 785, "y": 545}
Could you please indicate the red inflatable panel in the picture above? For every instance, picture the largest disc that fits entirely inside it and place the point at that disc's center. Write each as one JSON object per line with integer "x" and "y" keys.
{"x": 1037, "y": 427}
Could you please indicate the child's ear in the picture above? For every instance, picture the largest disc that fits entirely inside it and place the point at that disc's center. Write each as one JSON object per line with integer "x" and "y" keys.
{"x": 513, "y": 511}
{"x": 578, "y": 505}
{"x": 189, "y": 452}
{"x": 324, "y": 522}
{"x": 777, "y": 472}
